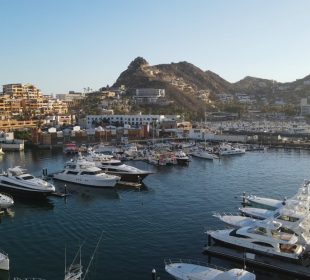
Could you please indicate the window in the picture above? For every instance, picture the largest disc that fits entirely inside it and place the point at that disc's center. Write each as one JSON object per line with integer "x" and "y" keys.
{"x": 72, "y": 172}
{"x": 262, "y": 244}
{"x": 27, "y": 177}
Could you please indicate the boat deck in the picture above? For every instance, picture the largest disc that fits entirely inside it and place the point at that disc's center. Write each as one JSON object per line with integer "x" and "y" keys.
{"x": 259, "y": 260}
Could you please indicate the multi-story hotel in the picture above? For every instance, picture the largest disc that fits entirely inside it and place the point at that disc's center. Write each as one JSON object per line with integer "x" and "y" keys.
{"x": 27, "y": 100}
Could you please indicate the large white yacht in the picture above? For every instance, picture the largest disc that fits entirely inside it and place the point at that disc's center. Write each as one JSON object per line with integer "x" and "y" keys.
{"x": 264, "y": 238}
{"x": 16, "y": 180}
{"x": 292, "y": 220}
{"x": 6, "y": 201}
{"x": 85, "y": 172}
{"x": 116, "y": 167}
{"x": 303, "y": 194}
{"x": 4, "y": 261}
{"x": 186, "y": 270}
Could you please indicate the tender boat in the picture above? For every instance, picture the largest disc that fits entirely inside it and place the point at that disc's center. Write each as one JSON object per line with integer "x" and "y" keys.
{"x": 16, "y": 180}
{"x": 4, "y": 261}
{"x": 264, "y": 238}
{"x": 84, "y": 172}
{"x": 187, "y": 270}
{"x": 6, "y": 201}
{"x": 116, "y": 167}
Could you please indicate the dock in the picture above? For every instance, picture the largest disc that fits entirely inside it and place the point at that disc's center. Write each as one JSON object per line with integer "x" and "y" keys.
{"x": 262, "y": 261}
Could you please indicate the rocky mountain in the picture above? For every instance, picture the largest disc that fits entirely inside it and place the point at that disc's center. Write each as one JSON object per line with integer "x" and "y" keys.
{"x": 192, "y": 89}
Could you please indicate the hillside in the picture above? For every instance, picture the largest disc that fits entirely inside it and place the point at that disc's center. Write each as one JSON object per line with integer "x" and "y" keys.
{"x": 193, "y": 90}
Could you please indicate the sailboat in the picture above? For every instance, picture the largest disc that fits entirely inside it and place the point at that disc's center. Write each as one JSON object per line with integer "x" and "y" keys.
{"x": 75, "y": 270}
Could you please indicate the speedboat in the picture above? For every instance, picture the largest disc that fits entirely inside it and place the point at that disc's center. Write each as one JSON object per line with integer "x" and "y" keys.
{"x": 4, "y": 261}
{"x": 186, "y": 270}
{"x": 181, "y": 157}
{"x": 265, "y": 238}
{"x": 6, "y": 201}
{"x": 16, "y": 180}
{"x": 228, "y": 150}
{"x": 116, "y": 167}
{"x": 84, "y": 172}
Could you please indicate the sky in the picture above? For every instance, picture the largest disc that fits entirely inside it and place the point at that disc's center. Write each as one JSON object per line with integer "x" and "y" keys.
{"x": 63, "y": 45}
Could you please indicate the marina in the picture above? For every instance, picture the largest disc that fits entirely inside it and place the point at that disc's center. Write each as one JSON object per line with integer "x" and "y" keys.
{"x": 167, "y": 215}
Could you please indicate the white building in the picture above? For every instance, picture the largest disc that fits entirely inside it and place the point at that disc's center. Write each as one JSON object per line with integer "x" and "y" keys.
{"x": 134, "y": 120}
{"x": 304, "y": 107}
{"x": 148, "y": 95}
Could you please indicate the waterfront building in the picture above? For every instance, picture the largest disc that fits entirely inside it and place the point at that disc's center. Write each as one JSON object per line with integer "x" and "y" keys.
{"x": 148, "y": 95}
{"x": 134, "y": 120}
{"x": 26, "y": 100}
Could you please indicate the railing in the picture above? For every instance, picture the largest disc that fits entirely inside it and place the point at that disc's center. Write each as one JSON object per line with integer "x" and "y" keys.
{"x": 27, "y": 278}
{"x": 195, "y": 262}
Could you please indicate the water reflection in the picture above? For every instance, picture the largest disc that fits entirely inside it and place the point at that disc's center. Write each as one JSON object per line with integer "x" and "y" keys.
{"x": 85, "y": 192}
{"x": 4, "y": 275}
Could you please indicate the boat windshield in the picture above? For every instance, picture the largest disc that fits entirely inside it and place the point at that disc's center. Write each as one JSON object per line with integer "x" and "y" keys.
{"x": 281, "y": 235}
{"x": 28, "y": 177}
{"x": 92, "y": 172}
{"x": 258, "y": 230}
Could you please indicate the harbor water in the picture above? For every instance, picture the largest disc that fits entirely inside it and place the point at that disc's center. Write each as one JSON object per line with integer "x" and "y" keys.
{"x": 167, "y": 218}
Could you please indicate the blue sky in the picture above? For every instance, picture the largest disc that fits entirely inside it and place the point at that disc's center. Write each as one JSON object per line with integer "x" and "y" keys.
{"x": 63, "y": 45}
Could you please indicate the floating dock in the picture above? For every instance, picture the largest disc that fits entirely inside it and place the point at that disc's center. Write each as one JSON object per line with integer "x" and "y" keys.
{"x": 259, "y": 260}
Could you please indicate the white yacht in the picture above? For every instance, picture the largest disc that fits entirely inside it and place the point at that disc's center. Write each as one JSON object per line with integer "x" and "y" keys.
{"x": 186, "y": 270}
{"x": 303, "y": 194}
{"x": 116, "y": 167}
{"x": 203, "y": 153}
{"x": 228, "y": 150}
{"x": 4, "y": 261}
{"x": 292, "y": 221}
{"x": 16, "y": 180}
{"x": 86, "y": 173}
{"x": 181, "y": 157}
{"x": 6, "y": 201}
{"x": 264, "y": 238}
{"x": 256, "y": 213}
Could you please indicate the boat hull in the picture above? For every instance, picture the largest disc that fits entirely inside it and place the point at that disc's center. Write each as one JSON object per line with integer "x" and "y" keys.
{"x": 4, "y": 262}
{"x": 23, "y": 191}
{"x": 97, "y": 184}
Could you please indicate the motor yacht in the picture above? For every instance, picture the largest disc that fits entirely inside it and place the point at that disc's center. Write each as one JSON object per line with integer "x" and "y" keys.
{"x": 292, "y": 221}
{"x": 187, "y": 269}
{"x": 86, "y": 173}
{"x": 265, "y": 238}
{"x": 303, "y": 194}
{"x": 4, "y": 261}
{"x": 6, "y": 201}
{"x": 116, "y": 167}
{"x": 16, "y": 180}
{"x": 203, "y": 153}
{"x": 228, "y": 150}
{"x": 181, "y": 157}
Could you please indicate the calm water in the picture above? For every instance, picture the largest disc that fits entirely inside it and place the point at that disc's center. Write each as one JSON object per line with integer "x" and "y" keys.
{"x": 167, "y": 219}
